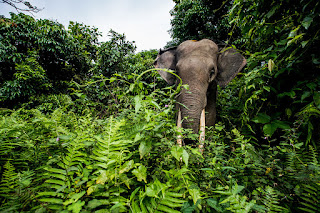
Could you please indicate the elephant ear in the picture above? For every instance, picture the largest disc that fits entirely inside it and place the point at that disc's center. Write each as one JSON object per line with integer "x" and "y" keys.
{"x": 166, "y": 59}
{"x": 230, "y": 63}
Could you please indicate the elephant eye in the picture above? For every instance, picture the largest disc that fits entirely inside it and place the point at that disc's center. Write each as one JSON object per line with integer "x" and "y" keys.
{"x": 155, "y": 62}
{"x": 212, "y": 72}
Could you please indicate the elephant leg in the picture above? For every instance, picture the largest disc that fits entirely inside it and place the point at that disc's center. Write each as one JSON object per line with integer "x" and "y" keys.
{"x": 211, "y": 113}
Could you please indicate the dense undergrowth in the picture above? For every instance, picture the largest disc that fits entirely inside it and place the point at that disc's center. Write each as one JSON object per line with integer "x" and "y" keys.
{"x": 66, "y": 161}
{"x": 88, "y": 126}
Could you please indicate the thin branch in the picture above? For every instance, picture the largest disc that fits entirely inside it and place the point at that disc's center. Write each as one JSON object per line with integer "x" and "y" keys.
{"x": 28, "y": 7}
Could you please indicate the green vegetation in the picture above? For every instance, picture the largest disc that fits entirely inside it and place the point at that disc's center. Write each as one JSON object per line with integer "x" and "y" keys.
{"x": 89, "y": 126}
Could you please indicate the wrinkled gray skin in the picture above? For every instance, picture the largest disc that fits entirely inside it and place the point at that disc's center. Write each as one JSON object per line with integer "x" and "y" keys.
{"x": 202, "y": 66}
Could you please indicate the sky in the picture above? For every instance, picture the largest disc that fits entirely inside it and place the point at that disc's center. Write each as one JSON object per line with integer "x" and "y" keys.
{"x": 144, "y": 21}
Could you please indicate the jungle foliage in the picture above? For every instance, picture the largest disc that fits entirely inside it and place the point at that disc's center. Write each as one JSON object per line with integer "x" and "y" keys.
{"x": 89, "y": 126}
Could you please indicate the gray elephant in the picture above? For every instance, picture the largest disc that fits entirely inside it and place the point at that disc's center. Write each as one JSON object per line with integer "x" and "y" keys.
{"x": 203, "y": 66}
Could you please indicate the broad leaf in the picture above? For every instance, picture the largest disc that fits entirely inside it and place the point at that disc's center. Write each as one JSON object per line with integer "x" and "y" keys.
{"x": 316, "y": 99}
{"x": 213, "y": 203}
{"x": 307, "y": 22}
{"x": 280, "y": 124}
{"x": 195, "y": 194}
{"x": 137, "y": 103}
{"x": 176, "y": 152}
{"x": 144, "y": 148}
{"x": 141, "y": 173}
{"x": 269, "y": 129}
{"x": 185, "y": 157}
{"x": 262, "y": 118}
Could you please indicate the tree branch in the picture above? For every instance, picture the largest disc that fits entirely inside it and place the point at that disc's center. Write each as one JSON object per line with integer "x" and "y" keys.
{"x": 26, "y": 8}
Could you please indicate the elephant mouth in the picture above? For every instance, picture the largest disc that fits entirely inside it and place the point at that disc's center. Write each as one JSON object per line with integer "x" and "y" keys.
{"x": 202, "y": 128}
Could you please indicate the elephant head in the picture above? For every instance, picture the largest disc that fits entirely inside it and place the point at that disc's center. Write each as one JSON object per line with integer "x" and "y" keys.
{"x": 202, "y": 66}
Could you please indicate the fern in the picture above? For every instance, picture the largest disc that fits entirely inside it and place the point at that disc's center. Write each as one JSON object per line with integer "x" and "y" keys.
{"x": 111, "y": 167}
{"x": 271, "y": 201}
{"x": 156, "y": 197}
{"x": 310, "y": 197}
{"x": 231, "y": 200}
{"x": 63, "y": 178}
{"x": 8, "y": 180}
{"x": 304, "y": 168}
{"x": 66, "y": 174}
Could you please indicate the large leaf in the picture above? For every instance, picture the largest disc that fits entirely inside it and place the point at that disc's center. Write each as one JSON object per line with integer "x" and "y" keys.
{"x": 185, "y": 157}
{"x": 280, "y": 124}
{"x": 316, "y": 99}
{"x": 176, "y": 152}
{"x": 213, "y": 203}
{"x": 262, "y": 118}
{"x": 307, "y": 22}
{"x": 137, "y": 103}
{"x": 195, "y": 194}
{"x": 141, "y": 173}
{"x": 269, "y": 129}
{"x": 144, "y": 148}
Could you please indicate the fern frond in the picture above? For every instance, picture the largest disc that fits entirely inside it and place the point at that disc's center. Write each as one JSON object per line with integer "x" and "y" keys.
{"x": 310, "y": 197}
{"x": 157, "y": 197}
{"x": 8, "y": 180}
{"x": 271, "y": 201}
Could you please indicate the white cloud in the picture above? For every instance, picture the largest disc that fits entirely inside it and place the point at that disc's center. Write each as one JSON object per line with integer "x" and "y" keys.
{"x": 145, "y": 21}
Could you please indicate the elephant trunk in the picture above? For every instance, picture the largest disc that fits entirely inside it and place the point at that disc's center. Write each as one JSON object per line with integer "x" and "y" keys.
{"x": 192, "y": 101}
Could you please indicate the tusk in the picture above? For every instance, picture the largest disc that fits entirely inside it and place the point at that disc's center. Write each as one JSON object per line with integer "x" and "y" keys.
{"x": 179, "y": 126}
{"x": 202, "y": 131}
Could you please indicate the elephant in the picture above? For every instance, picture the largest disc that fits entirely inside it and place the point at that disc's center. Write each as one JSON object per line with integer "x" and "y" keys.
{"x": 202, "y": 65}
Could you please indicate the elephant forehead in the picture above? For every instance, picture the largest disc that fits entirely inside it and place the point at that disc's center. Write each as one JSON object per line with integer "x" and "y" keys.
{"x": 195, "y": 63}
{"x": 204, "y": 46}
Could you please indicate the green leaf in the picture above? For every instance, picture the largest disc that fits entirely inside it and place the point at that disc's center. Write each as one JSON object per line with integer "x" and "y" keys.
{"x": 280, "y": 124}
{"x": 141, "y": 173}
{"x": 136, "y": 207}
{"x": 51, "y": 200}
{"x": 118, "y": 207}
{"x": 195, "y": 194}
{"x": 94, "y": 203}
{"x": 134, "y": 193}
{"x": 304, "y": 43}
{"x": 144, "y": 148}
{"x": 103, "y": 177}
{"x": 213, "y": 203}
{"x": 188, "y": 208}
{"x": 262, "y": 118}
{"x": 176, "y": 152}
{"x": 288, "y": 112}
{"x": 272, "y": 11}
{"x": 167, "y": 209}
{"x": 269, "y": 129}
{"x": 237, "y": 188}
{"x": 307, "y": 22}
{"x": 185, "y": 157}
{"x": 76, "y": 207}
{"x": 137, "y": 137}
{"x": 138, "y": 103}
{"x": 74, "y": 198}
{"x": 127, "y": 166}
{"x": 293, "y": 32}
{"x": 316, "y": 99}
{"x": 305, "y": 95}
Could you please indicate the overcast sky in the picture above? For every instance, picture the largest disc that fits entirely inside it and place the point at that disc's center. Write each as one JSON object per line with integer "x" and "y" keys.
{"x": 144, "y": 21}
